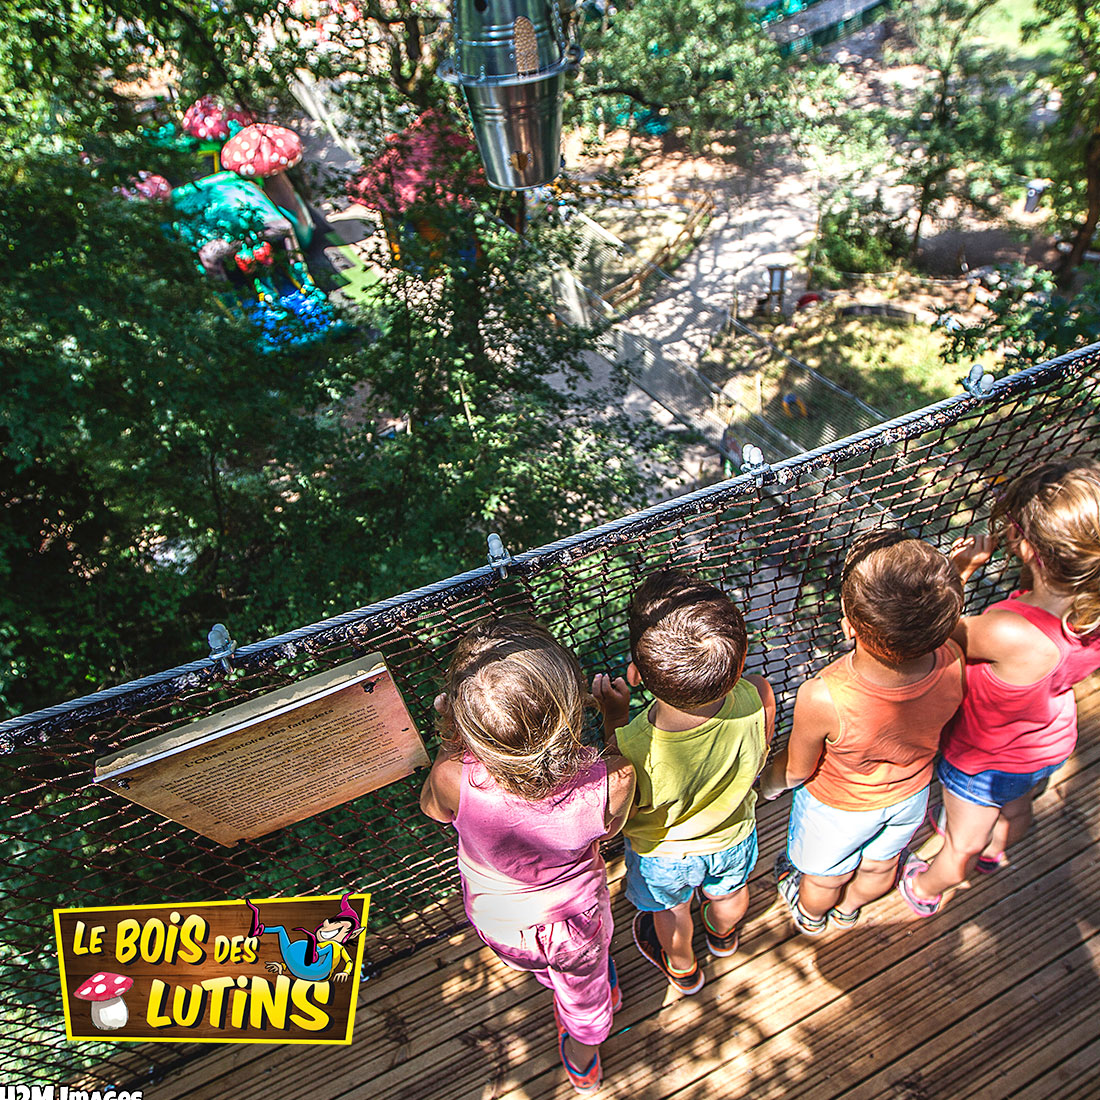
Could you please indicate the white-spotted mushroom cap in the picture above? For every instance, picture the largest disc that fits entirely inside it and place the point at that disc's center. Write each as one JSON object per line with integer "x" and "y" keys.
{"x": 261, "y": 150}
{"x": 104, "y": 987}
{"x": 147, "y": 185}
{"x": 207, "y": 119}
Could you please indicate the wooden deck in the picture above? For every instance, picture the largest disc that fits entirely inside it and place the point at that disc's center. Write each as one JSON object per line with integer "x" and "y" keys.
{"x": 999, "y": 996}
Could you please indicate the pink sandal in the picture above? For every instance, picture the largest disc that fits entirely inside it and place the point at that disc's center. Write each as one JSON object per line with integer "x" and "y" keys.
{"x": 923, "y": 907}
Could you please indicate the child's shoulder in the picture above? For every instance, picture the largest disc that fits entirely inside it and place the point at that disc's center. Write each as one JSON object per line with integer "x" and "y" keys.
{"x": 1000, "y": 625}
{"x": 1019, "y": 650}
{"x": 814, "y": 701}
{"x": 754, "y": 691}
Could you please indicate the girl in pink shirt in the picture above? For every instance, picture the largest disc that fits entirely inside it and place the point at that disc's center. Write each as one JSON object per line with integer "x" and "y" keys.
{"x": 1018, "y": 721}
{"x": 531, "y": 803}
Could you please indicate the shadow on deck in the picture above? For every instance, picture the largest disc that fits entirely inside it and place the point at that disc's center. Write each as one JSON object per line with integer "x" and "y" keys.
{"x": 996, "y": 997}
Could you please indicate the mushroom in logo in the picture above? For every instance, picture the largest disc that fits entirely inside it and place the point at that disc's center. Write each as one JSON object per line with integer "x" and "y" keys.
{"x": 105, "y": 992}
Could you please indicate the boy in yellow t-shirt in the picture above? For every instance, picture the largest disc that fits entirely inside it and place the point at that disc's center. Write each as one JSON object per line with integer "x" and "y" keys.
{"x": 696, "y": 751}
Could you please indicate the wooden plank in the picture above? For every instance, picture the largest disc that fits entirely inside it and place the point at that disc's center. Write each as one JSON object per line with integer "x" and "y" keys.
{"x": 651, "y": 1050}
{"x": 472, "y": 1010}
{"x": 843, "y": 1016}
{"x": 828, "y": 1051}
{"x": 984, "y": 1057}
{"x": 1072, "y": 1077}
{"x": 819, "y": 955}
{"x": 1068, "y": 1026}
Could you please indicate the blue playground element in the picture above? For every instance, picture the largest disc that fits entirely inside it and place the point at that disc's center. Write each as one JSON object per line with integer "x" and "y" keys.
{"x": 277, "y": 294}
{"x": 291, "y": 311}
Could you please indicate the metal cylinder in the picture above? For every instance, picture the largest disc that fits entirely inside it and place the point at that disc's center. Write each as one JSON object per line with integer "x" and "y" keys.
{"x": 488, "y": 32}
{"x": 510, "y": 60}
{"x": 518, "y": 130}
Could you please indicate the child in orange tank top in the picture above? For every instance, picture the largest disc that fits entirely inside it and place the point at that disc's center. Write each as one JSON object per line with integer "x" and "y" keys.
{"x": 866, "y": 731}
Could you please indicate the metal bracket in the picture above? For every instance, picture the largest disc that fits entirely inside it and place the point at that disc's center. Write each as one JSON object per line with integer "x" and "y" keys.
{"x": 499, "y": 558}
{"x": 979, "y": 382}
{"x": 753, "y": 463}
{"x": 222, "y": 646}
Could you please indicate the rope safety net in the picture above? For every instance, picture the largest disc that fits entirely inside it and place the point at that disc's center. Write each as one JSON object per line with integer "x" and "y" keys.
{"x": 773, "y": 537}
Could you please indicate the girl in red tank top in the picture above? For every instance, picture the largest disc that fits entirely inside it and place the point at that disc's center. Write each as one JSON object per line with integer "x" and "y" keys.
{"x": 531, "y": 803}
{"x": 1018, "y": 722}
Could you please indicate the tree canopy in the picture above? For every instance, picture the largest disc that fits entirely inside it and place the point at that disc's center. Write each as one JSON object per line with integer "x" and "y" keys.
{"x": 1073, "y": 152}
{"x": 964, "y": 135}
{"x": 159, "y": 472}
{"x": 709, "y": 68}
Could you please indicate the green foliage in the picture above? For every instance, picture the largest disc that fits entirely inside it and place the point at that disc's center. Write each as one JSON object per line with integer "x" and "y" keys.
{"x": 965, "y": 137}
{"x": 1028, "y": 320}
{"x": 61, "y": 61}
{"x": 695, "y": 64}
{"x": 157, "y": 474}
{"x": 142, "y": 437}
{"x": 856, "y": 235}
{"x": 1072, "y": 151}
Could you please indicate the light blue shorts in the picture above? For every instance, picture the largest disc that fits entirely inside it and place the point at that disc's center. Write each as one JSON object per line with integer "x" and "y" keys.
{"x": 825, "y": 841}
{"x": 657, "y": 883}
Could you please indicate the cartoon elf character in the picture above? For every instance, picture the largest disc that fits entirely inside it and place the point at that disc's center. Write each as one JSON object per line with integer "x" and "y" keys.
{"x": 314, "y": 958}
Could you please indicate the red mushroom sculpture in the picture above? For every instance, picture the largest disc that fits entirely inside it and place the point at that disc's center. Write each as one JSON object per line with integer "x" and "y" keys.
{"x": 148, "y": 185}
{"x": 265, "y": 151}
{"x": 105, "y": 992}
{"x": 208, "y": 120}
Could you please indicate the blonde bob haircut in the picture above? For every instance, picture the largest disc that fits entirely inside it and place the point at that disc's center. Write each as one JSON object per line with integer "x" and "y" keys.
{"x": 1056, "y": 507}
{"x": 516, "y": 701}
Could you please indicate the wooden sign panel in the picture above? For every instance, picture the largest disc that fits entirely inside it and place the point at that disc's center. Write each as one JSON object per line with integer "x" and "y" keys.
{"x": 213, "y": 972}
{"x": 275, "y": 760}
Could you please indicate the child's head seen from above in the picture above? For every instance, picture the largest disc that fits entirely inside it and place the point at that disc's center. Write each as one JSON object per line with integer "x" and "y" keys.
{"x": 1056, "y": 508}
{"x": 901, "y": 597}
{"x": 515, "y": 701}
{"x": 687, "y": 639}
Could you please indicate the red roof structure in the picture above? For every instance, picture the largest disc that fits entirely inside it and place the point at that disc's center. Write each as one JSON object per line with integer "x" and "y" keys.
{"x": 425, "y": 162}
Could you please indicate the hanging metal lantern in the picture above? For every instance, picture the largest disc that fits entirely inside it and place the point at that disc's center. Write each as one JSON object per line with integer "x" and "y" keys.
{"x": 511, "y": 57}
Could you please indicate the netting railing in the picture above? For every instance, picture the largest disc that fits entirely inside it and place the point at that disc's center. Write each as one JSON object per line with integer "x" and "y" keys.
{"x": 773, "y": 537}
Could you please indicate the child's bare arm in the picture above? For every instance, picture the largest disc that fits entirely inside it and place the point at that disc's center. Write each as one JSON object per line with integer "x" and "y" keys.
{"x": 814, "y": 719}
{"x": 613, "y": 699}
{"x": 767, "y": 697}
{"x": 439, "y": 795}
{"x": 620, "y": 794}
{"x": 969, "y": 553}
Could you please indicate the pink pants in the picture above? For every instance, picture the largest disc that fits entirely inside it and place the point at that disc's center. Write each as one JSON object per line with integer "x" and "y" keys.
{"x": 570, "y": 958}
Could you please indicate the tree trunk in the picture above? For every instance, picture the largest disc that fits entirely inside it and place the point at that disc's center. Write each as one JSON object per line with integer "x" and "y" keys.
{"x": 922, "y": 212}
{"x": 1087, "y": 230}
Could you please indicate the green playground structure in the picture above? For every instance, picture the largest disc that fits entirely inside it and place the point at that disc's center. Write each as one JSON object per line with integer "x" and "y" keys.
{"x": 244, "y": 240}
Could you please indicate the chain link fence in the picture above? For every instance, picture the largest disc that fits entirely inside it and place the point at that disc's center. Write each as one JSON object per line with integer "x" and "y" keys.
{"x": 773, "y": 537}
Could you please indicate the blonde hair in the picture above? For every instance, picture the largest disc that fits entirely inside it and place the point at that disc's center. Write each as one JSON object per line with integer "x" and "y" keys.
{"x": 516, "y": 701}
{"x": 1056, "y": 507}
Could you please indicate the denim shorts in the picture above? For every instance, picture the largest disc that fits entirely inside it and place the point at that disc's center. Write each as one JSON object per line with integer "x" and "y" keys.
{"x": 657, "y": 883}
{"x": 825, "y": 841}
{"x": 990, "y": 788}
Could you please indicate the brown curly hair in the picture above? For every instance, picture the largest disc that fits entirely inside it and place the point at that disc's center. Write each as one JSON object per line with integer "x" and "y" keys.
{"x": 901, "y": 596}
{"x": 687, "y": 638}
